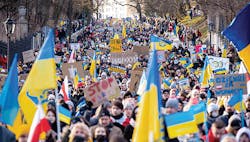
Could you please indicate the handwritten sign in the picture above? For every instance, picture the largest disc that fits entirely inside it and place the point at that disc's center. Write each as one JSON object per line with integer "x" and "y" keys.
{"x": 115, "y": 45}
{"x": 218, "y": 63}
{"x": 119, "y": 69}
{"x": 69, "y": 69}
{"x": 230, "y": 84}
{"x": 28, "y": 56}
{"x": 135, "y": 80}
{"x": 124, "y": 58}
{"x": 101, "y": 91}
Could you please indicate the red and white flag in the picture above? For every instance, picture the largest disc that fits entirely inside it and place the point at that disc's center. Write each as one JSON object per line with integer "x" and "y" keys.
{"x": 72, "y": 56}
{"x": 39, "y": 125}
{"x": 65, "y": 89}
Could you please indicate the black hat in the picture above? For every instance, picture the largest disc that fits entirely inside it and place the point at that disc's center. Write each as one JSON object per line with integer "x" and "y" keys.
{"x": 103, "y": 112}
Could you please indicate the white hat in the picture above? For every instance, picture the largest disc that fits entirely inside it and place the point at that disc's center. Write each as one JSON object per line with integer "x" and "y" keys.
{"x": 212, "y": 107}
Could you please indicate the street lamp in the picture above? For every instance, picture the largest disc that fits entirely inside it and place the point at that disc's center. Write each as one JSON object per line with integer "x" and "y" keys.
{"x": 210, "y": 28}
{"x": 9, "y": 26}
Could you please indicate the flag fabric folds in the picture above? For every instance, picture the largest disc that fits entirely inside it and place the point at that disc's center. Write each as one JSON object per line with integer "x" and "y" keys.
{"x": 39, "y": 125}
{"x": 160, "y": 44}
{"x": 149, "y": 122}
{"x": 239, "y": 32}
{"x": 76, "y": 79}
{"x": 42, "y": 76}
{"x": 64, "y": 115}
{"x": 236, "y": 102}
{"x": 142, "y": 85}
{"x": 207, "y": 74}
{"x": 65, "y": 89}
{"x": 199, "y": 111}
{"x": 92, "y": 69}
{"x": 8, "y": 98}
{"x": 180, "y": 123}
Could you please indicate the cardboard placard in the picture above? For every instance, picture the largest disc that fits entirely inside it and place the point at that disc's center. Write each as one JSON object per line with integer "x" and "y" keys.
{"x": 101, "y": 91}
{"x": 218, "y": 63}
{"x": 230, "y": 84}
{"x": 70, "y": 68}
{"x": 141, "y": 50}
{"x": 184, "y": 83}
{"x": 28, "y": 56}
{"x": 115, "y": 45}
{"x": 135, "y": 80}
{"x": 119, "y": 69}
{"x": 2, "y": 80}
{"x": 124, "y": 58}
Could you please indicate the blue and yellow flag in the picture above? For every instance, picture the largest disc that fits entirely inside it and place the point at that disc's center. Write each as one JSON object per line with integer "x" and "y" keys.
{"x": 124, "y": 33}
{"x": 236, "y": 102}
{"x": 199, "y": 111}
{"x": 42, "y": 76}
{"x": 76, "y": 79}
{"x": 92, "y": 69}
{"x": 167, "y": 82}
{"x": 180, "y": 123}
{"x": 238, "y": 33}
{"x": 8, "y": 98}
{"x": 207, "y": 74}
{"x": 160, "y": 44}
{"x": 149, "y": 122}
{"x": 64, "y": 115}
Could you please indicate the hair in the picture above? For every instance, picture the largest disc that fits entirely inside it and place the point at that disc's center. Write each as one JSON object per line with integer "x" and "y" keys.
{"x": 81, "y": 126}
{"x": 219, "y": 124}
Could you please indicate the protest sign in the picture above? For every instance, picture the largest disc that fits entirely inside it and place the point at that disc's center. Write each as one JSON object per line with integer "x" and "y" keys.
{"x": 218, "y": 64}
{"x": 141, "y": 50}
{"x": 230, "y": 84}
{"x": 101, "y": 91}
{"x": 135, "y": 80}
{"x": 115, "y": 45}
{"x": 118, "y": 69}
{"x": 75, "y": 46}
{"x": 124, "y": 58}
{"x": 28, "y": 56}
{"x": 69, "y": 69}
{"x": 184, "y": 83}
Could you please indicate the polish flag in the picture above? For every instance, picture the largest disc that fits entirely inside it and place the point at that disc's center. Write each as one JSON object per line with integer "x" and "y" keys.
{"x": 39, "y": 125}
{"x": 72, "y": 56}
{"x": 243, "y": 70}
{"x": 65, "y": 89}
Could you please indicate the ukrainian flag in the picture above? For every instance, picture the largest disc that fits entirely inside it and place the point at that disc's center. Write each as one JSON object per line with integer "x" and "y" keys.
{"x": 42, "y": 76}
{"x": 167, "y": 82}
{"x": 236, "y": 102}
{"x": 161, "y": 44}
{"x": 199, "y": 111}
{"x": 149, "y": 122}
{"x": 239, "y": 32}
{"x": 76, "y": 80}
{"x": 124, "y": 34}
{"x": 180, "y": 123}
{"x": 92, "y": 69}
{"x": 64, "y": 115}
{"x": 207, "y": 74}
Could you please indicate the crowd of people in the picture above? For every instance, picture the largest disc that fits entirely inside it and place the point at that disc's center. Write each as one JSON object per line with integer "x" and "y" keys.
{"x": 114, "y": 120}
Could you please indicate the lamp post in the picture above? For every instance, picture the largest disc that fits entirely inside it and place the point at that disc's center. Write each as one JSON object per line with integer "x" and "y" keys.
{"x": 210, "y": 28}
{"x": 9, "y": 26}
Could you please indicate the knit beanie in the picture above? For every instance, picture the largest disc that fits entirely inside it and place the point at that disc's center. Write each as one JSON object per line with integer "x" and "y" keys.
{"x": 173, "y": 103}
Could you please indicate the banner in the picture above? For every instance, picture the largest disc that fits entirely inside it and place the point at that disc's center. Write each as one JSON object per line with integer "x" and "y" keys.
{"x": 68, "y": 69}
{"x": 28, "y": 56}
{"x": 124, "y": 58}
{"x": 135, "y": 80}
{"x": 115, "y": 45}
{"x": 119, "y": 69}
{"x": 230, "y": 84}
{"x": 141, "y": 50}
{"x": 101, "y": 91}
{"x": 218, "y": 64}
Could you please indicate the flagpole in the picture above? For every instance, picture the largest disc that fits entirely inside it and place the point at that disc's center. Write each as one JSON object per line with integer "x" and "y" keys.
{"x": 57, "y": 118}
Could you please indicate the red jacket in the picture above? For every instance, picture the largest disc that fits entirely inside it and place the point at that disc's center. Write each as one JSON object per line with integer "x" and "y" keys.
{"x": 211, "y": 137}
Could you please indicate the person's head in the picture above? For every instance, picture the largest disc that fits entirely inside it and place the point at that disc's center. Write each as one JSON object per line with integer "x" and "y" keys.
{"x": 172, "y": 106}
{"x": 23, "y": 138}
{"x": 81, "y": 130}
{"x": 51, "y": 115}
{"x": 218, "y": 129}
{"x": 100, "y": 134}
{"x": 165, "y": 94}
{"x": 243, "y": 135}
{"x": 172, "y": 93}
{"x": 128, "y": 109}
{"x": 234, "y": 124}
{"x": 117, "y": 108}
{"x": 247, "y": 103}
{"x": 104, "y": 118}
{"x": 213, "y": 110}
{"x": 228, "y": 138}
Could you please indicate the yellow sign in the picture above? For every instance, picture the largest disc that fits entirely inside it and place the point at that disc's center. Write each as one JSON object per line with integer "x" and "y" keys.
{"x": 115, "y": 45}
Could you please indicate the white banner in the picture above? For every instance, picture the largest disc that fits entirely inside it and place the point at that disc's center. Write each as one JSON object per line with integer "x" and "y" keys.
{"x": 218, "y": 63}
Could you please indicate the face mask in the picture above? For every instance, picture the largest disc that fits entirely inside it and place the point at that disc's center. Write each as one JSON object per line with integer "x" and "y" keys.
{"x": 101, "y": 138}
{"x": 215, "y": 114}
